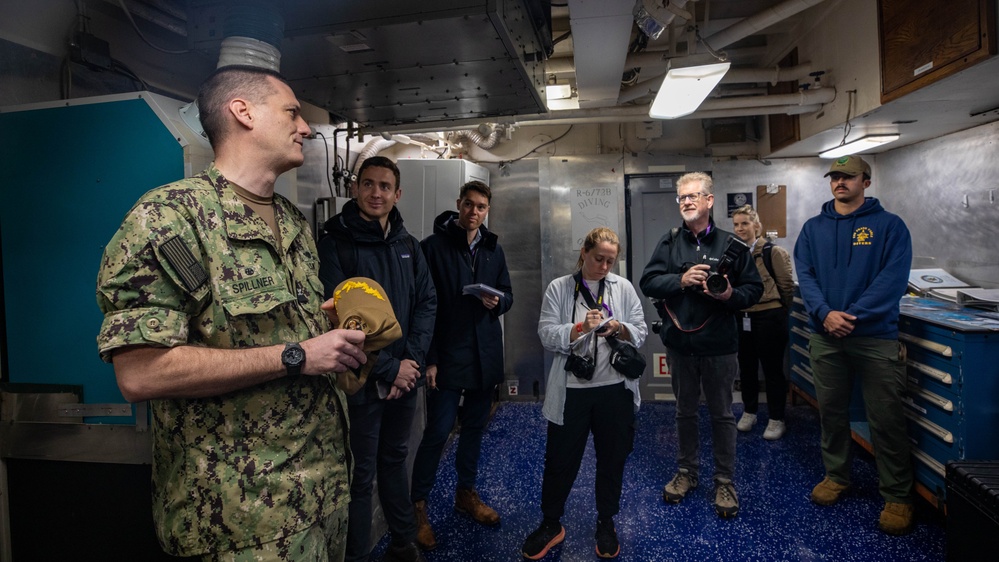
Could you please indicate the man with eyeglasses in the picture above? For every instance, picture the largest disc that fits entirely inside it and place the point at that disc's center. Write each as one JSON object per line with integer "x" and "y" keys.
{"x": 465, "y": 359}
{"x": 700, "y": 333}
{"x": 853, "y": 263}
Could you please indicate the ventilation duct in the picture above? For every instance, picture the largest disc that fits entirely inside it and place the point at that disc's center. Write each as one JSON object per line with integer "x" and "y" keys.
{"x": 252, "y": 33}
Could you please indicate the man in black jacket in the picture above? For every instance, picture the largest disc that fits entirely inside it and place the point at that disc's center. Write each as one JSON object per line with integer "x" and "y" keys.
{"x": 466, "y": 354}
{"x": 368, "y": 239}
{"x": 700, "y": 331}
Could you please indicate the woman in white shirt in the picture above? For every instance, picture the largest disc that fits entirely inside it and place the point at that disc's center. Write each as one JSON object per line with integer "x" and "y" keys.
{"x": 584, "y": 394}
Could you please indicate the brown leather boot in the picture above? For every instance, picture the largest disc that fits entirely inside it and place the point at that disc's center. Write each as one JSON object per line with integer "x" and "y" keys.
{"x": 468, "y": 502}
{"x": 897, "y": 518}
{"x": 424, "y": 534}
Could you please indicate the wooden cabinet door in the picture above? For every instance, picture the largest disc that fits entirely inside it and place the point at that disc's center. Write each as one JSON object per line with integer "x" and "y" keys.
{"x": 923, "y": 41}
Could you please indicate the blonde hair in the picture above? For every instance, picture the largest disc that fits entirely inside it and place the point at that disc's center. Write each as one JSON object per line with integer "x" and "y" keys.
{"x": 706, "y": 183}
{"x": 596, "y": 236}
{"x": 754, "y": 218}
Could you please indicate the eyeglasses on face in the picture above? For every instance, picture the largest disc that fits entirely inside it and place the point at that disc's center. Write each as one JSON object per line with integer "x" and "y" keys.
{"x": 692, "y": 197}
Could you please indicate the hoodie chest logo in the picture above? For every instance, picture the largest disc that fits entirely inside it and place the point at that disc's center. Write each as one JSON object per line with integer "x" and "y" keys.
{"x": 863, "y": 236}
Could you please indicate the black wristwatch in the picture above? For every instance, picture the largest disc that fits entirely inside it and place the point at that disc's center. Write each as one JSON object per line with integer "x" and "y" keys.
{"x": 293, "y": 358}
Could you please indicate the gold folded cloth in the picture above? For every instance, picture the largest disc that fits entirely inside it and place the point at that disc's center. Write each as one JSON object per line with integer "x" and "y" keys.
{"x": 361, "y": 304}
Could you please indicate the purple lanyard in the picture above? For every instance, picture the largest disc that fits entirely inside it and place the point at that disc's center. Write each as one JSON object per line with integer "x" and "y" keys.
{"x": 599, "y": 299}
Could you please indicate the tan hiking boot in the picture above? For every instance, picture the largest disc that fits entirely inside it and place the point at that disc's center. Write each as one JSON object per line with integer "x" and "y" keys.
{"x": 425, "y": 538}
{"x": 897, "y": 518}
{"x": 468, "y": 502}
{"x": 827, "y": 492}
{"x": 726, "y": 500}
{"x": 678, "y": 487}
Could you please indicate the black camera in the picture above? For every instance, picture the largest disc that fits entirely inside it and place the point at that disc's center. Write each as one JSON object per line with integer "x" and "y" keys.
{"x": 580, "y": 366}
{"x": 657, "y": 326}
{"x": 716, "y": 281}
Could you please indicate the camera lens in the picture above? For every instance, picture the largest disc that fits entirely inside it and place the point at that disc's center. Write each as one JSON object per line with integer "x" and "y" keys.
{"x": 717, "y": 283}
{"x": 657, "y": 326}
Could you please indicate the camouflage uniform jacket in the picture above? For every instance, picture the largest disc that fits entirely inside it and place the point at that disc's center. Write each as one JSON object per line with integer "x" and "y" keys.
{"x": 253, "y": 465}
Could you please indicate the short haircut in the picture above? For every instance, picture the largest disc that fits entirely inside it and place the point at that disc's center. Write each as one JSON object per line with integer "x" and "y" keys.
{"x": 705, "y": 180}
{"x": 754, "y": 218}
{"x": 596, "y": 236}
{"x": 478, "y": 187}
{"x": 379, "y": 162}
{"x": 226, "y": 84}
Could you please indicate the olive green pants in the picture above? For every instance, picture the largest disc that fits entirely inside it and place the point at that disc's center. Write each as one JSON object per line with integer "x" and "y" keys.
{"x": 879, "y": 366}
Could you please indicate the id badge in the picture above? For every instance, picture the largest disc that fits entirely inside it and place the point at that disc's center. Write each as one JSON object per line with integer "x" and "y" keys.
{"x": 746, "y": 322}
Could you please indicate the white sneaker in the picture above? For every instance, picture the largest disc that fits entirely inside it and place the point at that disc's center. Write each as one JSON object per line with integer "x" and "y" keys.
{"x": 775, "y": 430}
{"x": 746, "y": 422}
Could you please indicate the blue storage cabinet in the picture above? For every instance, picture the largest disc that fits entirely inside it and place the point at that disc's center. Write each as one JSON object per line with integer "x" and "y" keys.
{"x": 952, "y": 393}
{"x": 953, "y": 386}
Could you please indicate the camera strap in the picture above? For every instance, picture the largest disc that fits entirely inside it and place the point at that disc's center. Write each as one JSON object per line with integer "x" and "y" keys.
{"x": 681, "y": 328}
{"x": 587, "y": 296}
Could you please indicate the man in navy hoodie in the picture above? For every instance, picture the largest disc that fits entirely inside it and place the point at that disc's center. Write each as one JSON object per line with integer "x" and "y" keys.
{"x": 853, "y": 263}
{"x": 465, "y": 360}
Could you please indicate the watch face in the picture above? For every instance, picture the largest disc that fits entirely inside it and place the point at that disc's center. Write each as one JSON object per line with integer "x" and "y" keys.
{"x": 293, "y": 356}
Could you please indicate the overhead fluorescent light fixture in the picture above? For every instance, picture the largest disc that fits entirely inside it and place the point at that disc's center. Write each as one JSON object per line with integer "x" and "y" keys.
{"x": 558, "y": 91}
{"x": 684, "y": 89}
{"x": 862, "y": 144}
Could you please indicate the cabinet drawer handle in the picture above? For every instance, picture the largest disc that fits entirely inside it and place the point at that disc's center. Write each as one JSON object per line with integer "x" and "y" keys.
{"x": 935, "y": 399}
{"x": 931, "y": 372}
{"x": 801, "y": 332}
{"x": 799, "y": 316}
{"x": 934, "y": 429}
{"x": 803, "y": 374}
{"x": 933, "y": 346}
{"x": 929, "y": 461}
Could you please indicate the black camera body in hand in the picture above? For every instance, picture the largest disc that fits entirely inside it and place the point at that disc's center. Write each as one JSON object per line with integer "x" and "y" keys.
{"x": 580, "y": 366}
{"x": 716, "y": 281}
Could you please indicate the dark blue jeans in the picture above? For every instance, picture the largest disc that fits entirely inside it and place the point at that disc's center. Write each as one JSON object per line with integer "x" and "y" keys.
{"x": 442, "y": 411}
{"x": 379, "y": 438}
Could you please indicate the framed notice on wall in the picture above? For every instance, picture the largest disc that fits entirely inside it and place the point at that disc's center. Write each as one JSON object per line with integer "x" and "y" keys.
{"x": 736, "y": 200}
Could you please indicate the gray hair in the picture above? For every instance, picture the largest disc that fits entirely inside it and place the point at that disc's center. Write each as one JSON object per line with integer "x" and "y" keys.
{"x": 706, "y": 183}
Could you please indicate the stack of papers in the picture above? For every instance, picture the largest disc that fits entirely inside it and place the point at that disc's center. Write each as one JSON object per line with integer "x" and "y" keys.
{"x": 987, "y": 299}
{"x": 942, "y": 285}
{"x": 922, "y": 281}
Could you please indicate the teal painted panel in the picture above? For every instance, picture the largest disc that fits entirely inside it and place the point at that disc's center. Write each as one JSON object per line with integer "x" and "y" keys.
{"x": 68, "y": 175}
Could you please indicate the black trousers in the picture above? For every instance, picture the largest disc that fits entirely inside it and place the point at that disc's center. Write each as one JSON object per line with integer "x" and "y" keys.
{"x": 763, "y": 345}
{"x": 608, "y": 412}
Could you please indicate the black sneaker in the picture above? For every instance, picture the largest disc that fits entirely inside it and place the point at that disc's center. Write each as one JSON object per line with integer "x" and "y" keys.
{"x": 607, "y": 545}
{"x": 405, "y": 552}
{"x": 538, "y": 543}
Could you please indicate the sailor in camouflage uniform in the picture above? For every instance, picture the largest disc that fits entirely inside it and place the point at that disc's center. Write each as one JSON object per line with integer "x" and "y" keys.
{"x": 212, "y": 313}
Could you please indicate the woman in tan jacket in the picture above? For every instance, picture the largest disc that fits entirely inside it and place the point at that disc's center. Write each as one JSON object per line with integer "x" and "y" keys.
{"x": 763, "y": 327}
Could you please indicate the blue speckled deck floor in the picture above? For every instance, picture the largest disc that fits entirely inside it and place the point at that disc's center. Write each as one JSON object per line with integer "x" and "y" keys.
{"x": 773, "y": 479}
